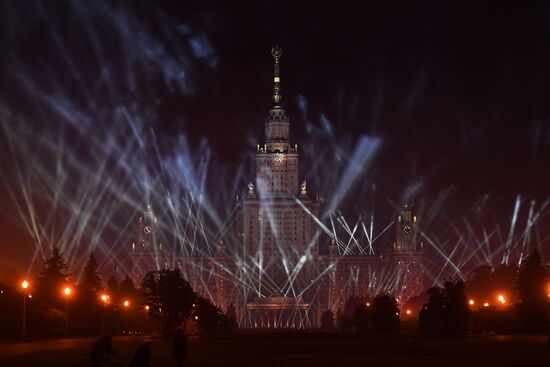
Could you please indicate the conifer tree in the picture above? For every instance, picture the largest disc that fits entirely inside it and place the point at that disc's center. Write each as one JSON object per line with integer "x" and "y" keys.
{"x": 385, "y": 314}
{"x": 127, "y": 289}
{"x": 91, "y": 281}
{"x": 113, "y": 286}
{"x": 532, "y": 311}
{"x": 53, "y": 276}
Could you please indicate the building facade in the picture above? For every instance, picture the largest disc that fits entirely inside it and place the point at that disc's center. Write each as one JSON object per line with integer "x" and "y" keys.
{"x": 276, "y": 277}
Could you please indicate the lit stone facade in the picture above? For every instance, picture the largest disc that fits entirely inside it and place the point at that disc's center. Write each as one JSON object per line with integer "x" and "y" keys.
{"x": 407, "y": 257}
{"x": 276, "y": 276}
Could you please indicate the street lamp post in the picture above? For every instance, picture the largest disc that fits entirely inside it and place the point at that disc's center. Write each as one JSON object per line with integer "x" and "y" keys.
{"x": 126, "y": 304}
{"x": 105, "y": 299}
{"x": 25, "y": 286}
{"x": 67, "y": 292}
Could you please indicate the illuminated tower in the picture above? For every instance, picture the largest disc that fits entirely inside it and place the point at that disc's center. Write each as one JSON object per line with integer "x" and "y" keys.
{"x": 277, "y": 160}
{"x": 148, "y": 253}
{"x": 277, "y": 235}
{"x": 407, "y": 256}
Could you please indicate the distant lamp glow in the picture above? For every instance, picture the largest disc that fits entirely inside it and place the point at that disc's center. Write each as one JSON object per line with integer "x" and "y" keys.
{"x": 67, "y": 291}
{"x": 196, "y": 317}
{"x": 367, "y": 304}
{"x": 471, "y": 302}
{"x": 126, "y": 303}
{"x": 408, "y": 312}
{"x": 24, "y": 284}
{"x": 104, "y": 298}
{"x": 146, "y": 307}
{"x": 486, "y": 304}
{"x": 501, "y": 299}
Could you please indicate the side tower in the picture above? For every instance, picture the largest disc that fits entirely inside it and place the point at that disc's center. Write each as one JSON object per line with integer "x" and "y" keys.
{"x": 407, "y": 256}
{"x": 277, "y": 250}
{"x": 148, "y": 252}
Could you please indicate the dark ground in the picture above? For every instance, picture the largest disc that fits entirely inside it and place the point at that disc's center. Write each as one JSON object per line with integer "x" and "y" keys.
{"x": 299, "y": 350}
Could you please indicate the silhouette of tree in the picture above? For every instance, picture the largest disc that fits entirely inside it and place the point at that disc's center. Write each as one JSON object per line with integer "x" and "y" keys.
{"x": 208, "y": 316}
{"x": 88, "y": 309}
{"x": 127, "y": 289}
{"x": 169, "y": 297}
{"x": 456, "y": 314}
{"x": 504, "y": 280}
{"x": 430, "y": 317}
{"x": 363, "y": 318}
{"x": 385, "y": 314}
{"x": 346, "y": 321}
{"x": 52, "y": 277}
{"x": 327, "y": 320}
{"x": 229, "y": 325}
{"x": 446, "y": 311}
{"x": 533, "y": 308}
{"x": 91, "y": 281}
{"x": 113, "y": 286}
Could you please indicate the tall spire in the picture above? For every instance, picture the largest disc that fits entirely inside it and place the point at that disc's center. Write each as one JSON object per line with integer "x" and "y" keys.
{"x": 276, "y": 52}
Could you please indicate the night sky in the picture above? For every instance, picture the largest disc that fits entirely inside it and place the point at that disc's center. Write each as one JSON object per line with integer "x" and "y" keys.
{"x": 457, "y": 93}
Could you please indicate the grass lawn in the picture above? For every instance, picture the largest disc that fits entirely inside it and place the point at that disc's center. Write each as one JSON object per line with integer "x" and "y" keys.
{"x": 308, "y": 350}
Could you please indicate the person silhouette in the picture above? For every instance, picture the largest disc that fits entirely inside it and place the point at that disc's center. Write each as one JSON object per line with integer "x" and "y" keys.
{"x": 101, "y": 351}
{"x": 142, "y": 356}
{"x": 179, "y": 348}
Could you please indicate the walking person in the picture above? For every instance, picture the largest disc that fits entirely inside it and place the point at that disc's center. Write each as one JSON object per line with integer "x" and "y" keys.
{"x": 179, "y": 348}
{"x": 142, "y": 357}
{"x": 102, "y": 351}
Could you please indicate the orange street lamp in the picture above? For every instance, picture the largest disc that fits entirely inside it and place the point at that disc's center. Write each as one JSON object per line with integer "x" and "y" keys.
{"x": 486, "y": 304}
{"x": 67, "y": 292}
{"x": 105, "y": 299}
{"x": 471, "y": 302}
{"x": 501, "y": 299}
{"x": 126, "y": 303}
{"x": 408, "y": 312}
{"x": 146, "y": 307}
{"x": 25, "y": 285}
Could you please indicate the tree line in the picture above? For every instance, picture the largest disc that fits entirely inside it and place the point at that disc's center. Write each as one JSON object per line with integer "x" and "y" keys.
{"x": 163, "y": 302}
{"x": 521, "y": 305}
